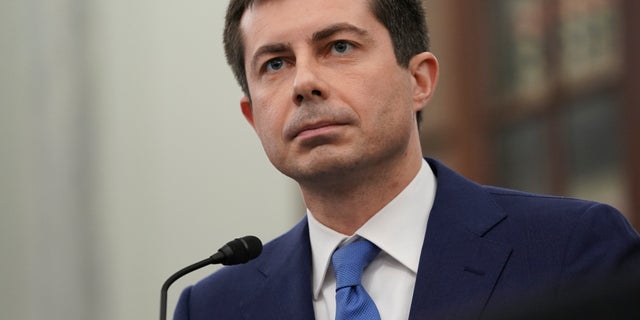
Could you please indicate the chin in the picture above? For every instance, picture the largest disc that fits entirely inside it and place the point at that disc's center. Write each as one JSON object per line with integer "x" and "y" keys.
{"x": 326, "y": 168}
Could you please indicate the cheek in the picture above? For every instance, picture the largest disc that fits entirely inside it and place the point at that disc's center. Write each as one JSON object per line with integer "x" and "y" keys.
{"x": 265, "y": 124}
{"x": 271, "y": 108}
{"x": 269, "y": 136}
{"x": 269, "y": 123}
{"x": 389, "y": 101}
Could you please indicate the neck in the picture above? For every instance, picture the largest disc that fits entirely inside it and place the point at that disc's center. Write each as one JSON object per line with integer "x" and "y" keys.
{"x": 346, "y": 203}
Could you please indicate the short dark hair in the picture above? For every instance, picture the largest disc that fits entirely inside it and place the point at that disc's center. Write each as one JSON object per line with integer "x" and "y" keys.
{"x": 404, "y": 19}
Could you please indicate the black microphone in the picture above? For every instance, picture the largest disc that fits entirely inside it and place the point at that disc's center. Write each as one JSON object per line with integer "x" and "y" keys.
{"x": 237, "y": 251}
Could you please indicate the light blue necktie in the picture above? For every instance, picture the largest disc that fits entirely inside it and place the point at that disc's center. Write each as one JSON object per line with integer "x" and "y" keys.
{"x": 352, "y": 301}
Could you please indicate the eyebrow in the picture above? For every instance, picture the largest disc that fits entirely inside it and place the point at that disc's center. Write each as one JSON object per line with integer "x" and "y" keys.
{"x": 337, "y": 28}
{"x": 317, "y": 36}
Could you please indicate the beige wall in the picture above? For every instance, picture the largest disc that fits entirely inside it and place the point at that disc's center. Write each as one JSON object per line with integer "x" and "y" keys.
{"x": 123, "y": 156}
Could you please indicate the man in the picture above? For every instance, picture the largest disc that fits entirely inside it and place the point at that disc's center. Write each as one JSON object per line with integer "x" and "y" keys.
{"x": 334, "y": 90}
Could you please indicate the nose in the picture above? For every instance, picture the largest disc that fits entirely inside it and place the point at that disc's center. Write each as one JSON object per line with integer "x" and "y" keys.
{"x": 308, "y": 84}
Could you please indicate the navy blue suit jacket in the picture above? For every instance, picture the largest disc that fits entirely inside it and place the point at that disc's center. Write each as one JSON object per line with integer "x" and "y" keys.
{"x": 484, "y": 247}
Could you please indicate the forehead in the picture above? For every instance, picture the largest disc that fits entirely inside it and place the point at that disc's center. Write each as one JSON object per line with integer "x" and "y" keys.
{"x": 287, "y": 21}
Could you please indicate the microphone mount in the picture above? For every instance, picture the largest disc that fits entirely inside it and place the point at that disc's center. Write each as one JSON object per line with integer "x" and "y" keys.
{"x": 237, "y": 251}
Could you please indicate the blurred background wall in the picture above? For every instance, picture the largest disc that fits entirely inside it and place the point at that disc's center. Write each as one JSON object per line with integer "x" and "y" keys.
{"x": 540, "y": 95}
{"x": 124, "y": 157}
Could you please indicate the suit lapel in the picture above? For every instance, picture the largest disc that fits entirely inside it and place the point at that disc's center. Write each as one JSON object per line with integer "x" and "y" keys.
{"x": 286, "y": 290}
{"x": 458, "y": 266}
{"x": 458, "y": 270}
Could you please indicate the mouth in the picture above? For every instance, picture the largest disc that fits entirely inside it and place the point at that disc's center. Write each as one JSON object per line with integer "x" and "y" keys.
{"x": 312, "y": 129}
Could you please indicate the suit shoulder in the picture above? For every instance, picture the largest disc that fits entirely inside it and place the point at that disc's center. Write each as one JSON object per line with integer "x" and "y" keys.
{"x": 236, "y": 276}
{"x": 569, "y": 216}
{"x": 227, "y": 291}
{"x": 546, "y": 212}
{"x": 519, "y": 201}
{"x": 228, "y": 283}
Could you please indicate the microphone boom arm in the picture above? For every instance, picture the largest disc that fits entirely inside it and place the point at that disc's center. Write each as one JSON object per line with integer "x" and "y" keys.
{"x": 236, "y": 251}
{"x": 176, "y": 276}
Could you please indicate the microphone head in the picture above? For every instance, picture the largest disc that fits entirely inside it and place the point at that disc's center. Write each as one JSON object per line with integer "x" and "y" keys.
{"x": 240, "y": 250}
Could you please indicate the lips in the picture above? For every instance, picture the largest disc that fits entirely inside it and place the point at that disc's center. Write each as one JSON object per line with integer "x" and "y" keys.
{"x": 306, "y": 129}
{"x": 310, "y": 120}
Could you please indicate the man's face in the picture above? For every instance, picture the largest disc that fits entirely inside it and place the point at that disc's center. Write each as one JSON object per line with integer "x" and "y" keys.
{"x": 327, "y": 95}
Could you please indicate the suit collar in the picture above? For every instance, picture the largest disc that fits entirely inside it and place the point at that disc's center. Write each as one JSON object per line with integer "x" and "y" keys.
{"x": 285, "y": 265}
{"x": 464, "y": 201}
{"x": 458, "y": 266}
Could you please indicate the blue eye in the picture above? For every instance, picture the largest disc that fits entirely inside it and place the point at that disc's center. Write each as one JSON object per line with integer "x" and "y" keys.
{"x": 342, "y": 47}
{"x": 275, "y": 64}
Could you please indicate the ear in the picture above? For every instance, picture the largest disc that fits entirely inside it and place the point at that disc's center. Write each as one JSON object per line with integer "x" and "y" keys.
{"x": 247, "y": 110}
{"x": 424, "y": 72}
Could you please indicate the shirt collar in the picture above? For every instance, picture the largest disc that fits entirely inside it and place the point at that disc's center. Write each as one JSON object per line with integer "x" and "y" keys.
{"x": 398, "y": 229}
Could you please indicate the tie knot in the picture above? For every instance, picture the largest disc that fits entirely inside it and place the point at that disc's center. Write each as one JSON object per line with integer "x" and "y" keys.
{"x": 350, "y": 261}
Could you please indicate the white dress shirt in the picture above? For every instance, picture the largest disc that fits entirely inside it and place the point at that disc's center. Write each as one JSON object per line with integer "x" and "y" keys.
{"x": 398, "y": 230}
